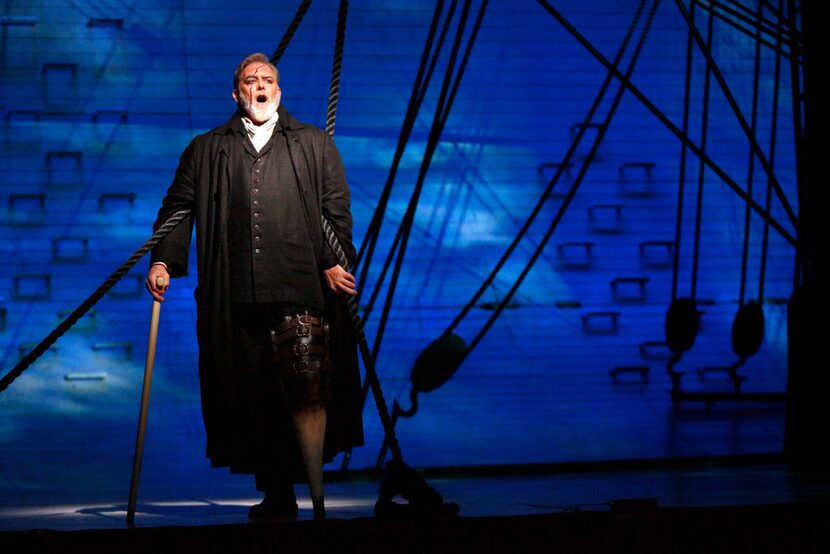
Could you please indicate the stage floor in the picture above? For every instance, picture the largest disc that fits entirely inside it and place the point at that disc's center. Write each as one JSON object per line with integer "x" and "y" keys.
{"x": 697, "y": 485}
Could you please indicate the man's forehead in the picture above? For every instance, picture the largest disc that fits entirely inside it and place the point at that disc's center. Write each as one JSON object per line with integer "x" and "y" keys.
{"x": 258, "y": 68}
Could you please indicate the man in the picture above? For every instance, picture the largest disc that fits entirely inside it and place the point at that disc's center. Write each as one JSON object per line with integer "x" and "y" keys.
{"x": 277, "y": 363}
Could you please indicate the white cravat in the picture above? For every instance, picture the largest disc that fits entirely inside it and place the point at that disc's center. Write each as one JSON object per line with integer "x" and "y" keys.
{"x": 260, "y": 134}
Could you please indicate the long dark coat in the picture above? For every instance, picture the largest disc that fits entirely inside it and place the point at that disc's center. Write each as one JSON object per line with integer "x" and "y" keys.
{"x": 202, "y": 183}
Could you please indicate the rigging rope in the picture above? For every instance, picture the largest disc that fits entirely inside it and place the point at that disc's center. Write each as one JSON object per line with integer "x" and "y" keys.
{"x": 337, "y": 64}
{"x": 751, "y": 171}
{"x": 681, "y": 188}
{"x": 401, "y": 480}
{"x": 701, "y": 165}
{"x": 773, "y": 134}
{"x": 575, "y": 143}
{"x": 289, "y": 32}
{"x": 706, "y": 49}
{"x": 574, "y": 187}
{"x": 751, "y": 18}
{"x": 93, "y": 299}
{"x": 794, "y": 15}
{"x": 368, "y": 360}
{"x": 552, "y": 183}
{"x": 423, "y": 78}
{"x": 669, "y": 125}
{"x": 419, "y": 88}
{"x": 445, "y": 101}
{"x": 372, "y": 378}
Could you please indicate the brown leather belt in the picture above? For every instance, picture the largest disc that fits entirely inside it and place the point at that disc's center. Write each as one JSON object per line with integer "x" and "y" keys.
{"x": 298, "y": 326}
{"x": 301, "y": 359}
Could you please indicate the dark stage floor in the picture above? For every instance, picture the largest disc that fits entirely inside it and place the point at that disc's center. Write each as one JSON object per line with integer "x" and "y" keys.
{"x": 710, "y": 507}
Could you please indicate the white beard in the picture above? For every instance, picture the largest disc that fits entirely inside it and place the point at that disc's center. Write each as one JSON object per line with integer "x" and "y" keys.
{"x": 259, "y": 112}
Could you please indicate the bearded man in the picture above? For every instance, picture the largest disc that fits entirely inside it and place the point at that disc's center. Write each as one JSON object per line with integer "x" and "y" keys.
{"x": 277, "y": 362}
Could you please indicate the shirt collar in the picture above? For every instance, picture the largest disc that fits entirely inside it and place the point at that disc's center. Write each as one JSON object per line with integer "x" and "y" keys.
{"x": 266, "y": 128}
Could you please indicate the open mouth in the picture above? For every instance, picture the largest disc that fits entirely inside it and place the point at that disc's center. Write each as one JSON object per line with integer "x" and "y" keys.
{"x": 262, "y": 99}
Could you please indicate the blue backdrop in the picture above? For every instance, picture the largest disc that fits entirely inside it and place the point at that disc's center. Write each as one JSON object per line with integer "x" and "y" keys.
{"x": 100, "y": 98}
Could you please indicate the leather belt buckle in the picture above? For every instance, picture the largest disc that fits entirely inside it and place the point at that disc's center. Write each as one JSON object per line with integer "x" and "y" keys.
{"x": 306, "y": 319}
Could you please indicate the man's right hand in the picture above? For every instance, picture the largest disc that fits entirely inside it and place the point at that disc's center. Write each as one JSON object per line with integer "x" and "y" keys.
{"x": 157, "y": 281}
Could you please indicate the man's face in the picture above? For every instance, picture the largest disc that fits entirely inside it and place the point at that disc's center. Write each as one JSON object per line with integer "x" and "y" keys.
{"x": 258, "y": 93}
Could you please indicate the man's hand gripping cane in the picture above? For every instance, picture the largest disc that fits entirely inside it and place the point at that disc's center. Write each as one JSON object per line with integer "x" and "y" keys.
{"x": 158, "y": 280}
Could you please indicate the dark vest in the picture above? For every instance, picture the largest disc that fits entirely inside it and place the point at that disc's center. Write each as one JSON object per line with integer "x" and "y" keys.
{"x": 270, "y": 251}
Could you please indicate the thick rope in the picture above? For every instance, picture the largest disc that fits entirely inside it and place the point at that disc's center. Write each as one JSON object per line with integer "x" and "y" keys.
{"x": 368, "y": 360}
{"x": 366, "y": 354}
{"x": 93, "y": 299}
{"x": 289, "y": 33}
{"x": 334, "y": 89}
{"x": 419, "y": 87}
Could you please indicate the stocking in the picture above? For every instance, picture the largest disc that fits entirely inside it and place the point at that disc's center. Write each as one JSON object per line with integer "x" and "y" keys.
{"x": 310, "y": 426}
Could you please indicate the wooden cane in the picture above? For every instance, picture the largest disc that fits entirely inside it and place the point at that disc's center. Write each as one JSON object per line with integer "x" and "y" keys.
{"x": 145, "y": 404}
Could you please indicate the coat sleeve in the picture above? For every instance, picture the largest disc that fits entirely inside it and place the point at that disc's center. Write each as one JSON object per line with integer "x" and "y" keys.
{"x": 174, "y": 249}
{"x": 336, "y": 203}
